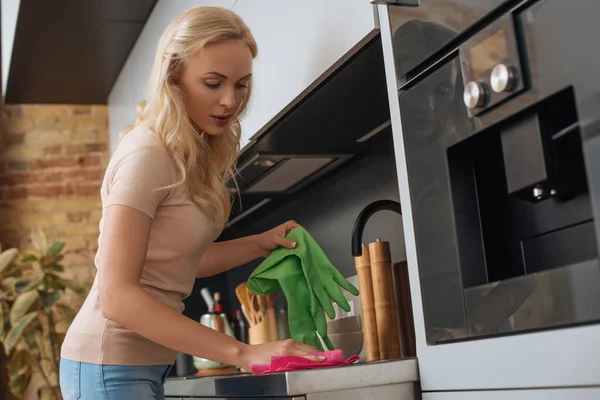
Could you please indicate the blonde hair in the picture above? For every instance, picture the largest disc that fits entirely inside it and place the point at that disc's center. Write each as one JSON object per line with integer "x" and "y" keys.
{"x": 205, "y": 162}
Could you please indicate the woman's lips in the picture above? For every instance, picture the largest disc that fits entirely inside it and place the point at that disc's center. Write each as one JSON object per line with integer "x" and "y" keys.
{"x": 220, "y": 120}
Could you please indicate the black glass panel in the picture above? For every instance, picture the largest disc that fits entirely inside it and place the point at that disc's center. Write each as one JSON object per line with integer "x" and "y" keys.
{"x": 505, "y": 197}
{"x": 420, "y": 32}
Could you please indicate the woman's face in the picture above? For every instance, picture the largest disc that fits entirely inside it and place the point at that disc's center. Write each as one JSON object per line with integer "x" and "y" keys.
{"x": 215, "y": 83}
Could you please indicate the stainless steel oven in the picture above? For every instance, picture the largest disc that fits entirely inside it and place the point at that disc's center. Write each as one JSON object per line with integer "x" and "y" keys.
{"x": 496, "y": 117}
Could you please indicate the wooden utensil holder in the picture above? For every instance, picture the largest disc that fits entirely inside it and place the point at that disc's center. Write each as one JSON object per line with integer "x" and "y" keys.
{"x": 259, "y": 333}
{"x": 367, "y": 305}
{"x": 386, "y": 312}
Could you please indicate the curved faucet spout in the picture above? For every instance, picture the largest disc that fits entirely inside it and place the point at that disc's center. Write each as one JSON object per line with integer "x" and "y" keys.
{"x": 363, "y": 217}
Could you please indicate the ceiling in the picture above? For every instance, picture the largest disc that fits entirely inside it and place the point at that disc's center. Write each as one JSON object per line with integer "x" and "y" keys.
{"x": 71, "y": 51}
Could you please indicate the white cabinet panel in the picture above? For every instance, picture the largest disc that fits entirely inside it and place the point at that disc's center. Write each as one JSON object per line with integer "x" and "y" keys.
{"x": 542, "y": 394}
{"x": 298, "y": 41}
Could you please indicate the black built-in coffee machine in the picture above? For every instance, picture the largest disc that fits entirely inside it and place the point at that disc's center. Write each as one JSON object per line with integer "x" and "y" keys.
{"x": 502, "y": 144}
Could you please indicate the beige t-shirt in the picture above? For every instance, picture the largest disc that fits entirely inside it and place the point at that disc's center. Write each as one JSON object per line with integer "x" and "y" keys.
{"x": 179, "y": 236}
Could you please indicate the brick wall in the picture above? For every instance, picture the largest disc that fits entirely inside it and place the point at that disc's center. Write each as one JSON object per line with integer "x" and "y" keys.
{"x": 52, "y": 160}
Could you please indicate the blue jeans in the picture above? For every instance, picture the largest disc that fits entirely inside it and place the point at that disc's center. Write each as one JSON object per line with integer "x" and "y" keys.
{"x": 85, "y": 381}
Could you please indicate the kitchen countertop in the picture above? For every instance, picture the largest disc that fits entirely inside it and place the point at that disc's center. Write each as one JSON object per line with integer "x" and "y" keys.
{"x": 296, "y": 383}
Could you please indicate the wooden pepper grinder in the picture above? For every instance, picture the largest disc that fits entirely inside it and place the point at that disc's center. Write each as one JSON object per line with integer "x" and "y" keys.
{"x": 365, "y": 287}
{"x": 386, "y": 312}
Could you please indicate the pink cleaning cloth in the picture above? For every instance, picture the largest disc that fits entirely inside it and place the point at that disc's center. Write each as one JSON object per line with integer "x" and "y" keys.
{"x": 333, "y": 358}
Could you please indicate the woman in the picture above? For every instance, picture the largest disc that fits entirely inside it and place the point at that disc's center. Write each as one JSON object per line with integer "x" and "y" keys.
{"x": 164, "y": 202}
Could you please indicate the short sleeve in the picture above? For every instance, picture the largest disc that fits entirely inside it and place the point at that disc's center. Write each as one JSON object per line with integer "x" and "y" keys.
{"x": 139, "y": 178}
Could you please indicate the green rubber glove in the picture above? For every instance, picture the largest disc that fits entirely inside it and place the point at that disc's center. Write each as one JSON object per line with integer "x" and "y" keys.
{"x": 309, "y": 281}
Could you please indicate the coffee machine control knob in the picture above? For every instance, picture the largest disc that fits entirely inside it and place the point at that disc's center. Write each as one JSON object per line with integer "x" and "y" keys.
{"x": 475, "y": 94}
{"x": 502, "y": 78}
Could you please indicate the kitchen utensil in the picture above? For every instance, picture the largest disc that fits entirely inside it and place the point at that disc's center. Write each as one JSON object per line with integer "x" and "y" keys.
{"x": 386, "y": 312}
{"x": 406, "y": 325}
{"x": 219, "y": 323}
{"x": 283, "y": 326}
{"x": 242, "y": 293}
{"x": 259, "y": 333}
{"x": 345, "y": 325}
{"x": 256, "y": 310}
{"x": 270, "y": 319}
{"x": 367, "y": 304}
{"x": 350, "y": 343}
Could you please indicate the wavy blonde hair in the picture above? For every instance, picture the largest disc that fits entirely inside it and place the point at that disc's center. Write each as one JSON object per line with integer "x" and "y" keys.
{"x": 206, "y": 162}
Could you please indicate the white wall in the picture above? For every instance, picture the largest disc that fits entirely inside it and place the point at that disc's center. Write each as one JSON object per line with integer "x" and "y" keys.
{"x": 130, "y": 86}
{"x": 10, "y": 12}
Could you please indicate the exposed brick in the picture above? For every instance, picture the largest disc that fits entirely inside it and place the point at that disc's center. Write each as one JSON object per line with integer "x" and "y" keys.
{"x": 91, "y": 122}
{"x": 46, "y": 191}
{"x": 45, "y": 122}
{"x": 86, "y": 161}
{"x": 45, "y": 110}
{"x": 84, "y": 135}
{"x": 54, "y": 162}
{"x": 15, "y": 193}
{"x": 41, "y": 186}
{"x": 96, "y": 147}
{"x": 12, "y": 139}
{"x": 29, "y": 178}
{"x": 17, "y": 166}
{"x": 82, "y": 110}
{"x": 83, "y": 148}
{"x": 87, "y": 190}
{"x": 18, "y": 125}
{"x": 88, "y": 175}
{"x": 78, "y": 216}
{"x": 53, "y": 150}
{"x": 13, "y": 111}
{"x": 66, "y": 123}
{"x": 79, "y": 148}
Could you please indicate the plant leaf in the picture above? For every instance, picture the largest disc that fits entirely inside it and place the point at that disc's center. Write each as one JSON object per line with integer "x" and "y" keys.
{"x": 45, "y": 393}
{"x": 74, "y": 286}
{"x": 57, "y": 268}
{"x": 37, "y": 266}
{"x": 49, "y": 299}
{"x": 4, "y": 312}
{"x": 22, "y": 305}
{"x": 7, "y": 257}
{"x": 55, "y": 248}
{"x": 67, "y": 312}
{"x": 39, "y": 241}
{"x": 18, "y": 383}
{"x": 25, "y": 285}
{"x": 16, "y": 332}
{"x": 28, "y": 256}
{"x": 19, "y": 361}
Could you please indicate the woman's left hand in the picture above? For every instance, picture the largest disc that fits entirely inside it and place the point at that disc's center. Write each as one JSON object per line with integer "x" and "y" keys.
{"x": 271, "y": 239}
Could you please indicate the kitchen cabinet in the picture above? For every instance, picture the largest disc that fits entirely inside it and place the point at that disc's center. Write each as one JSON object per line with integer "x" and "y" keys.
{"x": 542, "y": 394}
{"x": 297, "y": 43}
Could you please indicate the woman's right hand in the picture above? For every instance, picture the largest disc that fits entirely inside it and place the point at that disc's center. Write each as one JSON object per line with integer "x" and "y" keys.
{"x": 262, "y": 353}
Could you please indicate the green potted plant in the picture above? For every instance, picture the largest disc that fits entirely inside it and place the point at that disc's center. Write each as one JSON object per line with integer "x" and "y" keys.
{"x": 33, "y": 319}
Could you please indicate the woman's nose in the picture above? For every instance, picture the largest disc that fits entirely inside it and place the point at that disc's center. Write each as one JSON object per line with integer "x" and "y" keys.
{"x": 228, "y": 98}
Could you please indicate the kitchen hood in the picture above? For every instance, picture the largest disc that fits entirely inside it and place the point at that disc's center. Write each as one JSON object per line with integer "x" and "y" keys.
{"x": 335, "y": 122}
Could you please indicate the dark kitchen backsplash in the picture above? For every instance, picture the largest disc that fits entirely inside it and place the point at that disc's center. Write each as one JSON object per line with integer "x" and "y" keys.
{"x": 327, "y": 210}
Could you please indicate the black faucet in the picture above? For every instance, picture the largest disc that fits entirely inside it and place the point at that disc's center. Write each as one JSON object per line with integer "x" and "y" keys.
{"x": 363, "y": 217}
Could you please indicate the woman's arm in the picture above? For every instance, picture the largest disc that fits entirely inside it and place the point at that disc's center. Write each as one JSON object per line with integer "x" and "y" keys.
{"x": 223, "y": 256}
{"x": 122, "y": 300}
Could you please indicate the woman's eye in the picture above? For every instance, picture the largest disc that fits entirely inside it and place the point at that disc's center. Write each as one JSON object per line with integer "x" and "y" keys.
{"x": 212, "y": 85}
{"x": 242, "y": 86}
